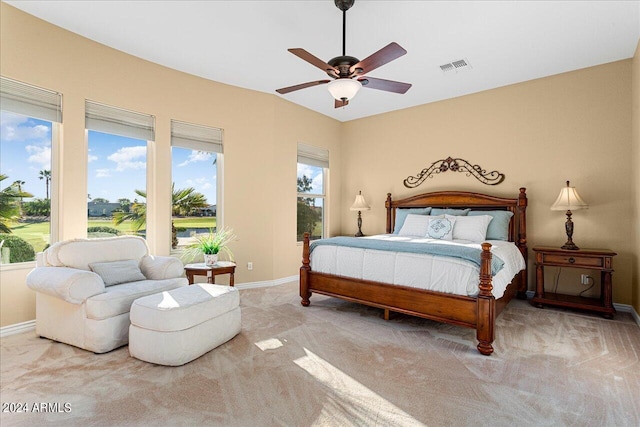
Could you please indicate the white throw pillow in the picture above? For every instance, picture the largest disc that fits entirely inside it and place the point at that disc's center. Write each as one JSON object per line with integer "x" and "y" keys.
{"x": 116, "y": 272}
{"x": 473, "y": 228}
{"x": 415, "y": 225}
{"x": 441, "y": 228}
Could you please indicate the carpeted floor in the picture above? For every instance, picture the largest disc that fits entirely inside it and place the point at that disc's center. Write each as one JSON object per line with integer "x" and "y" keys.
{"x": 339, "y": 364}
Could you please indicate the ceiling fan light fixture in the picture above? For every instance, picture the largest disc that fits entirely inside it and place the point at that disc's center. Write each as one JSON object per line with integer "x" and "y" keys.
{"x": 344, "y": 89}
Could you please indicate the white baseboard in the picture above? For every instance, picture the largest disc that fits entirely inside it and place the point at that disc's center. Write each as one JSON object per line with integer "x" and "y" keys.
{"x": 267, "y": 283}
{"x": 624, "y": 308}
{"x": 17, "y": 328}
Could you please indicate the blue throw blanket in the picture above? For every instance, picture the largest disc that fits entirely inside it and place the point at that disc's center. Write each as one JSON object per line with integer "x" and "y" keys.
{"x": 439, "y": 249}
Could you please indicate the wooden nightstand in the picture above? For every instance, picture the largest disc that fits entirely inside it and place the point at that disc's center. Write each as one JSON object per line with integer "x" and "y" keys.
{"x": 592, "y": 259}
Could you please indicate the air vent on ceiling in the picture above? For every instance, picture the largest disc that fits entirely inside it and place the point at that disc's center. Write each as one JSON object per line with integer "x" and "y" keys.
{"x": 455, "y": 66}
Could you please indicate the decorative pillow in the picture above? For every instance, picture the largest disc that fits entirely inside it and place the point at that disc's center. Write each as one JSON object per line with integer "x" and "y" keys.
{"x": 117, "y": 272}
{"x": 401, "y": 215}
{"x": 415, "y": 225}
{"x": 473, "y": 228}
{"x": 499, "y": 226}
{"x": 455, "y": 212}
{"x": 441, "y": 228}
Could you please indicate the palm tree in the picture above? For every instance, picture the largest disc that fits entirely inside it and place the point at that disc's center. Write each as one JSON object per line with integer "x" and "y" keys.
{"x": 19, "y": 184}
{"x": 137, "y": 213}
{"x": 10, "y": 204}
{"x": 183, "y": 202}
{"x": 46, "y": 175}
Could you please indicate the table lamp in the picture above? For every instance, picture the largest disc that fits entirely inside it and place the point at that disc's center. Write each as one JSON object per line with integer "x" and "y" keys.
{"x": 569, "y": 200}
{"x": 359, "y": 205}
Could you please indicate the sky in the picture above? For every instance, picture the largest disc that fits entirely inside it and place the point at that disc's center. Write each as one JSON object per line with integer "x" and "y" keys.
{"x": 25, "y": 150}
{"x": 313, "y": 172}
{"x": 116, "y": 164}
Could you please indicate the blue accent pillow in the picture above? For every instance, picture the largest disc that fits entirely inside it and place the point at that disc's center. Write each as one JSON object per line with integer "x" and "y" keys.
{"x": 441, "y": 228}
{"x": 453, "y": 212}
{"x": 499, "y": 226}
{"x": 401, "y": 216}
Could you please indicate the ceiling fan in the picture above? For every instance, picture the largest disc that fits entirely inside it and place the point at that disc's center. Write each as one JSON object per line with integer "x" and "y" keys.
{"x": 348, "y": 72}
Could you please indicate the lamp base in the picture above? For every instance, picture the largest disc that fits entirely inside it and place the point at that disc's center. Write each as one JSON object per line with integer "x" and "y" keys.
{"x": 359, "y": 233}
{"x": 570, "y": 246}
{"x": 569, "y": 229}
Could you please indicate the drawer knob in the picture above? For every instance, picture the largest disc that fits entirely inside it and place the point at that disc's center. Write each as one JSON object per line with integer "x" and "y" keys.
{"x": 572, "y": 260}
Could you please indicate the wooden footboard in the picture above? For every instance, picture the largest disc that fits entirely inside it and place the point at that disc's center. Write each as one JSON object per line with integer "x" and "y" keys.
{"x": 476, "y": 312}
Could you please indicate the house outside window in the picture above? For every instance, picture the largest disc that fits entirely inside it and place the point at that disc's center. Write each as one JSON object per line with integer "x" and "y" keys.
{"x": 312, "y": 171}
{"x": 29, "y": 122}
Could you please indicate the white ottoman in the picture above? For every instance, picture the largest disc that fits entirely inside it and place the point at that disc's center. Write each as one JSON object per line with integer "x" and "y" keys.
{"x": 174, "y": 327}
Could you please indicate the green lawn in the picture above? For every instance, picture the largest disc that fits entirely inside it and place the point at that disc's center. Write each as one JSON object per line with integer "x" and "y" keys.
{"x": 37, "y": 233}
{"x": 195, "y": 222}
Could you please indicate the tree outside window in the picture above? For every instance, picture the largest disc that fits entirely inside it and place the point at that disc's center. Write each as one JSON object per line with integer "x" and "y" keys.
{"x": 311, "y": 201}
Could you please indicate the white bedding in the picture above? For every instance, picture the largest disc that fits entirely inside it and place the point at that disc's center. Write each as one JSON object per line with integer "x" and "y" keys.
{"x": 424, "y": 271}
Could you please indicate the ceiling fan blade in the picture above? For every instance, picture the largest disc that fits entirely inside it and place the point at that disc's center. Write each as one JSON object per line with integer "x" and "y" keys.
{"x": 341, "y": 103}
{"x": 303, "y": 54}
{"x": 301, "y": 86}
{"x": 387, "y": 85}
{"x": 387, "y": 54}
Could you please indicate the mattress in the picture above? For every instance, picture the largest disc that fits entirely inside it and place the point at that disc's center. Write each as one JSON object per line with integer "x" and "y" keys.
{"x": 422, "y": 271}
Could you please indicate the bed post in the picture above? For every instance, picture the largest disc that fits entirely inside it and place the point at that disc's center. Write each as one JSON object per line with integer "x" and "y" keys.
{"x": 522, "y": 242}
{"x": 387, "y": 205}
{"x": 486, "y": 314}
{"x": 304, "y": 272}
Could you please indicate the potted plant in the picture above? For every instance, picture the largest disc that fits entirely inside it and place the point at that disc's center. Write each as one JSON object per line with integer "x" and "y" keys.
{"x": 211, "y": 244}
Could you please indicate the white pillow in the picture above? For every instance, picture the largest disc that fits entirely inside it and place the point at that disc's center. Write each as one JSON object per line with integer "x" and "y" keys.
{"x": 116, "y": 272}
{"x": 441, "y": 228}
{"x": 472, "y": 228}
{"x": 415, "y": 225}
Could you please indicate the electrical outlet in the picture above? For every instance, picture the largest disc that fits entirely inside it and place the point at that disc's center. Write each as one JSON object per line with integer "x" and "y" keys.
{"x": 249, "y": 265}
{"x": 584, "y": 279}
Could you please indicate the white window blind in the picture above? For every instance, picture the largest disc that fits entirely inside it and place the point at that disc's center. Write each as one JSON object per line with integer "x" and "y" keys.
{"x": 29, "y": 100}
{"x": 196, "y": 137}
{"x": 314, "y": 156}
{"x": 118, "y": 121}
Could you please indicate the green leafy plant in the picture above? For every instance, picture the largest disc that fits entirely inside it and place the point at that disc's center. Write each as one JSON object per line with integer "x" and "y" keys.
{"x": 20, "y": 249}
{"x": 10, "y": 201}
{"x": 211, "y": 243}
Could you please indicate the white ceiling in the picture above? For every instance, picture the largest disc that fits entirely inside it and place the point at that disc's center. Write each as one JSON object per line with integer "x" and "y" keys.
{"x": 244, "y": 43}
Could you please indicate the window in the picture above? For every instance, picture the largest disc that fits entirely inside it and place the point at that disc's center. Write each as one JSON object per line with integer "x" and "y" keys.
{"x": 28, "y": 128}
{"x": 196, "y": 161}
{"x": 117, "y": 170}
{"x": 313, "y": 167}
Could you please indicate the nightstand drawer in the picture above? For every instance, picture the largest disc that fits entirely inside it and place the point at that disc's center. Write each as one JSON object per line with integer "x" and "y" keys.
{"x": 577, "y": 260}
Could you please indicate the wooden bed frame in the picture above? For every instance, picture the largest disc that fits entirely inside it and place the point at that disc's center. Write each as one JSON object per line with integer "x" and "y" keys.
{"x": 475, "y": 312}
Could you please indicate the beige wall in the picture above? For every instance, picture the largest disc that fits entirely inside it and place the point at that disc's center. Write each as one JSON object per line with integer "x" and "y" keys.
{"x": 574, "y": 126}
{"x": 261, "y": 132}
{"x": 635, "y": 165}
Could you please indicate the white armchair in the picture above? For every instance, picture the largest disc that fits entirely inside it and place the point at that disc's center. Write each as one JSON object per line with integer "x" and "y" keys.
{"x": 85, "y": 287}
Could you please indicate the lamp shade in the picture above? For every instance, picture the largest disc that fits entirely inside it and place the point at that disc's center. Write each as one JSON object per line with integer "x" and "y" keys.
{"x": 344, "y": 89}
{"x": 569, "y": 200}
{"x": 359, "y": 204}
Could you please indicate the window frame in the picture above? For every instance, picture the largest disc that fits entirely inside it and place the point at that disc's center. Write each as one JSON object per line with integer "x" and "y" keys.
{"x": 323, "y": 196}
{"x": 43, "y": 104}
{"x": 217, "y": 148}
{"x": 120, "y": 122}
